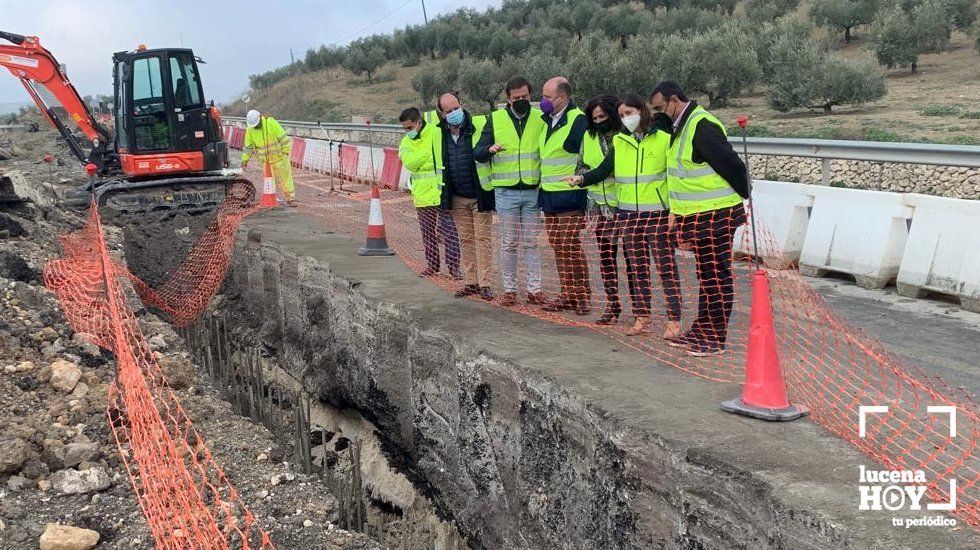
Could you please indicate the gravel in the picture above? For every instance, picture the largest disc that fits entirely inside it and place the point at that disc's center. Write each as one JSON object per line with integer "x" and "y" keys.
{"x": 59, "y": 464}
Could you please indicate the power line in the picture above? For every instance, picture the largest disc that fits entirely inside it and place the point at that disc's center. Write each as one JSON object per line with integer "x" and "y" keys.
{"x": 386, "y": 16}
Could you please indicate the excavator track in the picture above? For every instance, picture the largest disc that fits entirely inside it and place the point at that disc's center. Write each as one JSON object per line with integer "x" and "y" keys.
{"x": 161, "y": 199}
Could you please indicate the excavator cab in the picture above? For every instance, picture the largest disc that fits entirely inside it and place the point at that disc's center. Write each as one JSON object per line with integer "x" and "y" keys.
{"x": 162, "y": 122}
{"x": 167, "y": 152}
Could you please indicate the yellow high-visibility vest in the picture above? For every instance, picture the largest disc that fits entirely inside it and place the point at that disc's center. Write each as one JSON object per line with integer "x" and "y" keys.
{"x": 695, "y": 187}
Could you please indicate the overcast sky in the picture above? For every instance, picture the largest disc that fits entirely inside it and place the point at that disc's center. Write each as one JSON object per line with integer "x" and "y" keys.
{"x": 236, "y": 39}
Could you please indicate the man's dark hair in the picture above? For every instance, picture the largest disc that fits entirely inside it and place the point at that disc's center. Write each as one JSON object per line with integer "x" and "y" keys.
{"x": 608, "y": 104}
{"x": 635, "y": 101}
{"x": 564, "y": 88}
{"x": 667, "y": 89}
{"x": 411, "y": 114}
{"x": 516, "y": 83}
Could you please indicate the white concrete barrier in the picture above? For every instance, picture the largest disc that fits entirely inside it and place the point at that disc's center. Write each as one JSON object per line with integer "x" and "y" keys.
{"x": 943, "y": 250}
{"x": 783, "y": 213}
{"x": 861, "y": 233}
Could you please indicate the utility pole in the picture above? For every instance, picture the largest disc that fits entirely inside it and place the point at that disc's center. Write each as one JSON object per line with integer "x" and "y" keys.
{"x": 292, "y": 58}
{"x": 424, "y": 15}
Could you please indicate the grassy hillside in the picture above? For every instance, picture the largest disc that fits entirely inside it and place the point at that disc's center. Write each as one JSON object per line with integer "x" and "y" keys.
{"x": 938, "y": 103}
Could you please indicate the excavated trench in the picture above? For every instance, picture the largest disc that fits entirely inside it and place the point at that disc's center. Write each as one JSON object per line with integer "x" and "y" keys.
{"x": 454, "y": 451}
{"x": 440, "y": 444}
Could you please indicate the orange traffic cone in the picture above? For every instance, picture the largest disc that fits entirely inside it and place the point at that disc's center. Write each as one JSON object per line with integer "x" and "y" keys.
{"x": 377, "y": 243}
{"x": 764, "y": 391}
{"x": 268, "y": 189}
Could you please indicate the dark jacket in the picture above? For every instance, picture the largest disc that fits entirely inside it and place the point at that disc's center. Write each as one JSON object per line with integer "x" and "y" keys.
{"x": 557, "y": 202}
{"x": 484, "y": 199}
{"x": 711, "y": 146}
{"x": 482, "y": 151}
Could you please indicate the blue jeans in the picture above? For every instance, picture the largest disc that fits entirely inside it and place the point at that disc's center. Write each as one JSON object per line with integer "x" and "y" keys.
{"x": 520, "y": 222}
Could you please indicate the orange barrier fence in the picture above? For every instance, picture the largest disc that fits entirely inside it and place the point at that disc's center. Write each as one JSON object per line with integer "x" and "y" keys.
{"x": 187, "y": 499}
{"x": 391, "y": 170}
{"x": 349, "y": 156}
{"x": 297, "y": 152}
{"x": 618, "y": 266}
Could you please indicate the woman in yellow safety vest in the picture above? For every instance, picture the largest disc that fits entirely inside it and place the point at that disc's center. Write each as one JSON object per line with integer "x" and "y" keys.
{"x": 638, "y": 162}
{"x": 602, "y": 126}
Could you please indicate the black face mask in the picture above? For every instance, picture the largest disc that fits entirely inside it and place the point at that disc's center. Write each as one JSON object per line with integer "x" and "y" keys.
{"x": 521, "y": 107}
{"x": 606, "y": 126}
{"x": 662, "y": 122}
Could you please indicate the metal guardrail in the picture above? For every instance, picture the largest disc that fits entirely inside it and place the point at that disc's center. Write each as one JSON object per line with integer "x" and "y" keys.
{"x": 825, "y": 149}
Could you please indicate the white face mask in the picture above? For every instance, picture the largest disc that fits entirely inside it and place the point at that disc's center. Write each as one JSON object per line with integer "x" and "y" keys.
{"x": 631, "y": 122}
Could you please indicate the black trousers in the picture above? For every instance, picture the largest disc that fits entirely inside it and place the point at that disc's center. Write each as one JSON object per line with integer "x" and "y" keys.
{"x": 645, "y": 234}
{"x": 607, "y": 237}
{"x": 710, "y": 234}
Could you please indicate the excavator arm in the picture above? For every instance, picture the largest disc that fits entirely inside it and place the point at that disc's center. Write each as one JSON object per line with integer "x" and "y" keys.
{"x": 33, "y": 65}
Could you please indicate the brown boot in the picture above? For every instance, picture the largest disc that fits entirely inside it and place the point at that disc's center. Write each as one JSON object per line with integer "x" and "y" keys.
{"x": 640, "y": 326}
{"x": 561, "y": 304}
{"x": 537, "y": 298}
{"x": 509, "y": 299}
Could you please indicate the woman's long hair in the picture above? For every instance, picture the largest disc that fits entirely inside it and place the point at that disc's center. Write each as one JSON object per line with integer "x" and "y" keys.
{"x": 608, "y": 104}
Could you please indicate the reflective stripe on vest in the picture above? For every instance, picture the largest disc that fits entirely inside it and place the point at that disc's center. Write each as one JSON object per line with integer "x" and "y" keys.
{"x": 696, "y": 187}
{"x": 641, "y": 171}
{"x": 556, "y": 162}
{"x": 520, "y": 160}
{"x": 603, "y": 192}
{"x": 483, "y": 169}
{"x": 427, "y": 183}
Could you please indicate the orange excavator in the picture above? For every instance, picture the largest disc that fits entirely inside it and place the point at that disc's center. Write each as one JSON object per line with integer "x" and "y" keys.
{"x": 165, "y": 152}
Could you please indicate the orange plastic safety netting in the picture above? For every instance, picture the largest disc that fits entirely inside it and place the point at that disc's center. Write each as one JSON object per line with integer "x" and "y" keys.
{"x": 690, "y": 276}
{"x": 187, "y": 499}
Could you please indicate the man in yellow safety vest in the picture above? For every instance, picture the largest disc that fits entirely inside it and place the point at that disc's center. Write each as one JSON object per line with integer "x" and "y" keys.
{"x": 421, "y": 153}
{"x": 266, "y": 139}
{"x": 564, "y": 205}
{"x": 509, "y": 142}
{"x": 706, "y": 183}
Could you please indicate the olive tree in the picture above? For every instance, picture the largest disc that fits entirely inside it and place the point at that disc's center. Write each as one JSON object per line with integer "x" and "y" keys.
{"x": 894, "y": 39}
{"x": 844, "y": 15}
{"x": 962, "y": 13}
{"x": 933, "y": 26}
{"x": 434, "y": 79}
{"x": 688, "y": 21}
{"x": 719, "y": 63}
{"x": 769, "y": 10}
{"x": 597, "y": 66}
{"x": 727, "y": 6}
{"x": 362, "y": 59}
{"x": 900, "y": 36}
{"x": 482, "y": 81}
{"x": 805, "y": 76}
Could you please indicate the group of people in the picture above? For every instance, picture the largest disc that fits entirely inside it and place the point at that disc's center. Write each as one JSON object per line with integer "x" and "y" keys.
{"x": 655, "y": 176}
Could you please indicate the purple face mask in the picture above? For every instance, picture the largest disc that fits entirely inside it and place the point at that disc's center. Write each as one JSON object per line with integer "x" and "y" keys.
{"x": 547, "y": 107}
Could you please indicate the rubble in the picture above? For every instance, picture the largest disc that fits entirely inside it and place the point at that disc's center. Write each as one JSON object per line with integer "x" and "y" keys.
{"x": 65, "y": 375}
{"x": 66, "y": 537}
{"x": 13, "y": 455}
{"x": 14, "y": 267}
{"x": 58, "y": 454}
{"x": 75, "y": 482}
